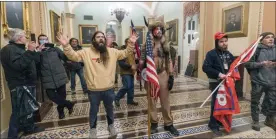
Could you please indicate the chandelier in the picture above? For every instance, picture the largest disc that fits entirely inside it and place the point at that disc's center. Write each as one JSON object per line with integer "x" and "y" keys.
{"x": 120, "y": 13}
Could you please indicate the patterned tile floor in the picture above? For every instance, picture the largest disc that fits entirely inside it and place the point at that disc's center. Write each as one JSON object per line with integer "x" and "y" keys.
{"x": 183, "y": 88}
{"x": 180, "y": 80}
{"x": 82, "y": 109}
{"x": 130, "y": 124}
{"x": 191, "y": 120}
{"x": 265, "y": 132}
{"x": 190, "y": 131}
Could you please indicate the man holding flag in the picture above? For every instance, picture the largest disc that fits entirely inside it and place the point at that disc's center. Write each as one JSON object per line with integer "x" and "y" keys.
{"x": 216, "y": 65}
{"x": 155, "y": 59}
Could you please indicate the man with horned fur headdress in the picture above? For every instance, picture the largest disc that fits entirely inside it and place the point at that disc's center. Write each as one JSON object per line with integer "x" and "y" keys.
{"x": 163, "y": 63}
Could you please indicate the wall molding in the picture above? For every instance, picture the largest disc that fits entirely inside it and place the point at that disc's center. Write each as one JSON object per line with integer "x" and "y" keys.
{"x": 69, "y": 15}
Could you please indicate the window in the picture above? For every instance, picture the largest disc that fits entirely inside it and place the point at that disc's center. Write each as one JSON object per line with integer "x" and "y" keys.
{"x": 189, "y": 38}
{"x": 193, "y": 25}
{"x": 189, "y": 25}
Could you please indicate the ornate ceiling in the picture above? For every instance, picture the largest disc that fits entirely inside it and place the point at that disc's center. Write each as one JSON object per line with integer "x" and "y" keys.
{"x": 148, "y": 6}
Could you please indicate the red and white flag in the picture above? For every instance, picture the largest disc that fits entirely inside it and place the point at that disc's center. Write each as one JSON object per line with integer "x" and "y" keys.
{"x": 227, "y": 103}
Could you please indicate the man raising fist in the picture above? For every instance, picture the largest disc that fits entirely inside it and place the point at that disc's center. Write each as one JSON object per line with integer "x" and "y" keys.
{"x": 100, "y": 65}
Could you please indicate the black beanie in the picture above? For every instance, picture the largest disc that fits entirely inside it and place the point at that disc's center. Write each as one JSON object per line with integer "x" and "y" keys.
{"x": 264, "y": 34}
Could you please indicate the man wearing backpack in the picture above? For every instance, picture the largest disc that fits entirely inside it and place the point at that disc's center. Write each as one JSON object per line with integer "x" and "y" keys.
{"x": 262, "y": 70}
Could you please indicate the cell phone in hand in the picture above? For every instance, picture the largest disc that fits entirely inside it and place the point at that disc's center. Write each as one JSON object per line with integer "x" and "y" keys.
{"x": 33, "y": 37}
{"x": 49, "y": 45}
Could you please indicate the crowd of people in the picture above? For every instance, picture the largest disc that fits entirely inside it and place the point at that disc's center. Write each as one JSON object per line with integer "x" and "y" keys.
{"x": 98, "y": 66}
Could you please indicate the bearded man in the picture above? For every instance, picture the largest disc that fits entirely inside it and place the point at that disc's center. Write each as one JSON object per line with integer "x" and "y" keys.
{"x": 163, "y": 63}
{"x": 100, "y": 65}
{"x": 216, "y": 65}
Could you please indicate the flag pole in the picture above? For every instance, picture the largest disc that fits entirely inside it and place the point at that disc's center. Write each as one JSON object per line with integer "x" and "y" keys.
{"x": 149, "y": 106}
{"x": 212, "y": 93}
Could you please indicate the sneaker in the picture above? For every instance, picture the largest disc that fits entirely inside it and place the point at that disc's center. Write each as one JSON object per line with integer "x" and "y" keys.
{"x": 117, "y": 103}
{"x": 172, "y": 130}
{"x": 133, "y": 103}
{"x": 270, "y": 123}
{"x": 112, "y": 130}
{"x": 153, "y": 128}
{"x": 93, "y": 133}
{"x": 216, "y": 132}
{"x": 256, "y": 126}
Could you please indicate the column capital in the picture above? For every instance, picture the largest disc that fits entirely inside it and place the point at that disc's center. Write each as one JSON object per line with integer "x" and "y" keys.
{"x": 69, "y": 15}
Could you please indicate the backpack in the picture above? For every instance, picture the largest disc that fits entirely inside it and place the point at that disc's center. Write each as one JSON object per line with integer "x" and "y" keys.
{"x": 255, "y": 57}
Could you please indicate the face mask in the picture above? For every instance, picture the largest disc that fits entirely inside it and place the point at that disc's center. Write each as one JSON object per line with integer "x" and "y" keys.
{"x": 42, "y": 41}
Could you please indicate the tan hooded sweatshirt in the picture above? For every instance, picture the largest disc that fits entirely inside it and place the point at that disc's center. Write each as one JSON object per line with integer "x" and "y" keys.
{"x": 99, "y": 77}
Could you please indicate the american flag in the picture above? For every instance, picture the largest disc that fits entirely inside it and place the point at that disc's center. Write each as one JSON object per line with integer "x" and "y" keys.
{"x": 151, "y": 69}
{"x": 136, "y": 43}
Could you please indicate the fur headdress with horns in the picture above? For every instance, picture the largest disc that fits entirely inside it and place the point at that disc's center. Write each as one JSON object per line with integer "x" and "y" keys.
{"x": 159, "y": 22}
{"x": 156, "y": 22}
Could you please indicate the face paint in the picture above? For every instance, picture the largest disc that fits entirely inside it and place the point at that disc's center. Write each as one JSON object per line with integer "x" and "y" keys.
{"x": 157, "y": 32}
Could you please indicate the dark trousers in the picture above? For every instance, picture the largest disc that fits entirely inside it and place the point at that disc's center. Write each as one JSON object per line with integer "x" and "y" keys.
{"x": 82, "y": 80}
{"x": 95, "y": 97}
{"x": 22, "y": 123}
{"x": 213, "y": 123}
{"x": 58, "y": 96}
{"x": 269, "y": 102}
{"x": 128, "y": 87}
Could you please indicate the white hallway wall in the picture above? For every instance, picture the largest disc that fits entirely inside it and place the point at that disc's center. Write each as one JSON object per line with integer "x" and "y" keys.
{"x": 101, "y": 15}
{"x": 171, "y": 11}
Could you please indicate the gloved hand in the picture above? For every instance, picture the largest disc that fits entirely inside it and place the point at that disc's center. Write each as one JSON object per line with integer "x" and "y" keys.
{"x": 170, "y": 82}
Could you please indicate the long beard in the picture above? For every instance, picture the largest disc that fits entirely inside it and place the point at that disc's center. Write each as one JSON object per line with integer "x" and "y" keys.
{"x": 100, "y": 48}
{"x": 103, "y": 52}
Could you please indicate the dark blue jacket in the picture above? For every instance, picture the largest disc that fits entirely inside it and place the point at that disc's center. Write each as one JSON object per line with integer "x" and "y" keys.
{"x": 213, "y": 63}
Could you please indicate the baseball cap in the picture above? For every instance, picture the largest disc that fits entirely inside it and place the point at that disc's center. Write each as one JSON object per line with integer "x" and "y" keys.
{"x": 220, "y": 35}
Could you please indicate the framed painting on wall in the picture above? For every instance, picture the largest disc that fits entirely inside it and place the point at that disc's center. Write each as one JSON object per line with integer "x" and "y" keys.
{"x": 173, "y": 31}
{"x": 85, "y": 33}
{"x": 15, "y": 15}
{"x": 140, "y": 30}
{"x": 235, "y": 20}
{"x": 55, "y": 25}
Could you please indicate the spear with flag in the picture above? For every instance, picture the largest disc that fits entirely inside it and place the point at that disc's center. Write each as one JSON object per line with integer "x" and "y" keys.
{"x": 226, "y": 103}
{"x": 138, "y": 56}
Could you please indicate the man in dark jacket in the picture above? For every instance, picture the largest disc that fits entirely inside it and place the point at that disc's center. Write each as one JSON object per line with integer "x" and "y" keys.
{"x": 20, "y": 72}
{"x": 76, "y": 68}
{"x": 216, "y": 65}
{"x": 262, "y": 70}
{"x": 54, "y": 75}
{"x": 127, "y": 69}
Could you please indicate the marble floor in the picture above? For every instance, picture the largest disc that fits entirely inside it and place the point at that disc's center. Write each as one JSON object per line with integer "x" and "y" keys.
{"x": 131, "y": 121}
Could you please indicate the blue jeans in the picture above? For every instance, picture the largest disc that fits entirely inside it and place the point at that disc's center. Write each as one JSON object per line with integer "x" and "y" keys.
{"x": 82, "y": 80}
{"x": 95, "y": 97}
{"x": 128, "y": 87}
